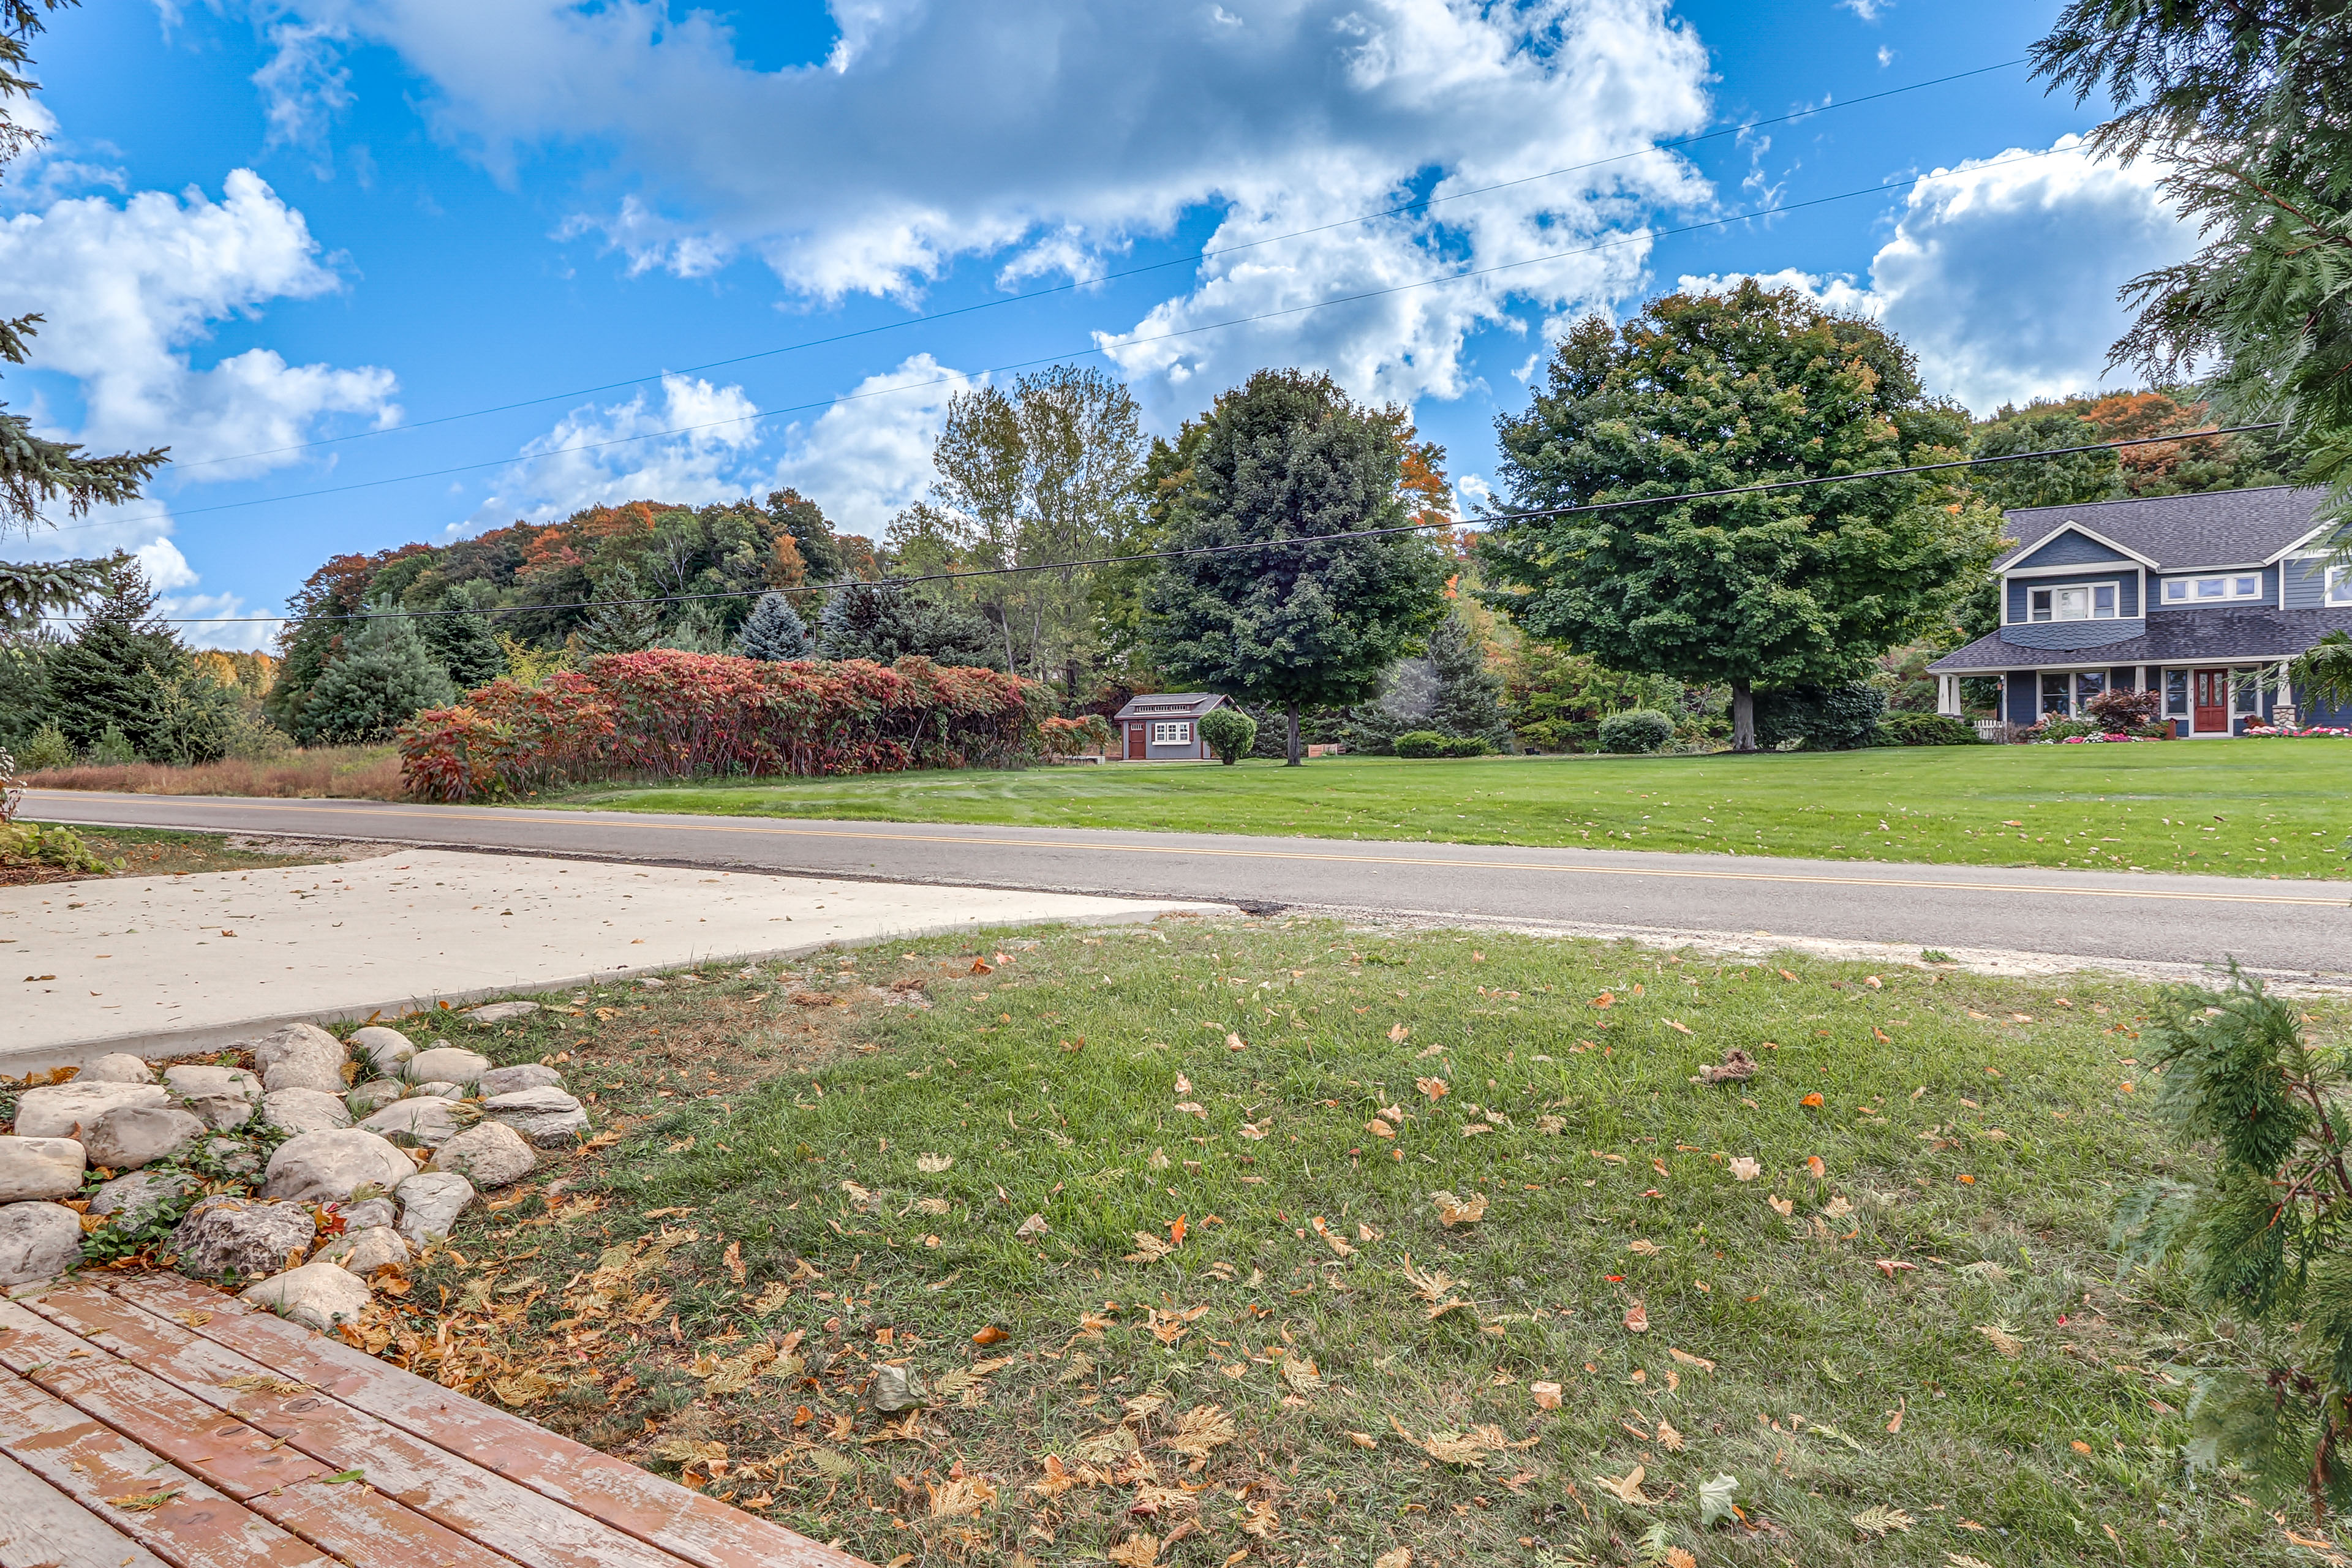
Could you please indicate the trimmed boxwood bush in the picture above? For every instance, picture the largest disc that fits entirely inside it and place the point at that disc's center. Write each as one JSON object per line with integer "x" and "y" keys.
{"x": 1928, "y": 730}
{"x": 1636, "y": 729}
{"x": 1230, "y": 734}
{"x": 1432, "y": 744}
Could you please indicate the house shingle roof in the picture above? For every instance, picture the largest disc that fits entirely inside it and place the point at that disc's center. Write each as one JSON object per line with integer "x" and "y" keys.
{"x": 2218, "y": 528}
{"x": 2176, "y": 637}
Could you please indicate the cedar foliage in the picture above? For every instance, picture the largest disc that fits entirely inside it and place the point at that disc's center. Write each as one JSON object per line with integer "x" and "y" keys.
{"x": 2262, "y": 1231}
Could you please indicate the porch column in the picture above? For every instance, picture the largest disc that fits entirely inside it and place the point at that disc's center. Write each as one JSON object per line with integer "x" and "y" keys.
{"x": 1947, "y": 695}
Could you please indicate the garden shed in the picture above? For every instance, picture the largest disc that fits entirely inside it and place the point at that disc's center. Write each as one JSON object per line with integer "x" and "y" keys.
{"x": 1166, "y": 725}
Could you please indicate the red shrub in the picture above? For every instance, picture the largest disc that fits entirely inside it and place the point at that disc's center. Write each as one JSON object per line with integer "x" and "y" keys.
{"x": 666, "y": 715}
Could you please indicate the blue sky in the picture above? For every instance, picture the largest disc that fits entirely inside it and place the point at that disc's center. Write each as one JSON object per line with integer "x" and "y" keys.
{"x": 305, "y": 244}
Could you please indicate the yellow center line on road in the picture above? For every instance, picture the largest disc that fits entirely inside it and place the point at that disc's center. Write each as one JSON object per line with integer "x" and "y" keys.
{"x": 2339, "y": 901}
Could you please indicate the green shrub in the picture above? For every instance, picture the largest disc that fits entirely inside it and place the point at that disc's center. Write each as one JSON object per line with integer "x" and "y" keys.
{"x": 1230, "y": 734}
{"x": 1928, "y": 730}
{"x": 29, "y": 843}
{"x": 1819, "y": 717}
{"x": 1435, "y": 744}
{"x": 48, "y": 748}
{"x": 113, "y": 748}
{"x": 1636, "y": 729}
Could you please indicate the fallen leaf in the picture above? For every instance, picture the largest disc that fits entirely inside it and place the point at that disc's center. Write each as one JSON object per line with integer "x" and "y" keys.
{"x": 2001, "y": 1340}
{"x": 1547, "y": 1394}
{"x": 1637, "y": 1321}
{"x": 1687, "y": 1359}
{"x": 1452, "y": 1211}
{"x": 962, "y": 1495}
{"x": 1837, "y": 1208}
{"x": 1668, "y": 1438}
{"x": 734, "y": 1259}
{"x": 1397, "y": 1032}
{"x": 1813, "y": 1163}
{"x": 1033, "y": 1226}
{"x": 1715, "y": 1503}
{"x": 1782, "y": 1206}
{"x": 989, "y": 1335}
{"x": 932, "y": 1164}
{"x": 1878, "y": 1519}
{"x": 1363, "y": 1440}
{"x": 1435, "y": 1087}
{"x": 1380, "y": 1128}
{"x": 1137, "y": 1551}
{"x": 1201, "y": 1429}
{"x": 1626, "y": 1487}
{"x": 1745, "y": 1169}
{"x": 144, "y": 1502}
{"x": 1400, "y": 1558}
{"x": 1813, "y": 1101}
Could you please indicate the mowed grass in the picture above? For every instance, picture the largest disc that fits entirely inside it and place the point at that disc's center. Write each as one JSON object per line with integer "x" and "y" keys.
{"x": 2259, "y": 809}
{"x": 1239, "y": 1329}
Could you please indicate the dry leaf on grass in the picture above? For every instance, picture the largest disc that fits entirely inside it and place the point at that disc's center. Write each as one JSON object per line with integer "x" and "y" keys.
{"x": 1435, "y": 1087}
{"x": 1637, "y": 1320}
{"x": 1547, "y": 1394}
{"x": 1201, "y": 1429}
{"x": 1668, "y": 1438}
{"x": 1687, "y": 1359}
{"x": 1141, "y": 1550}
{"x": 687, "y": 1451}
{"x": 1259, "y": 1520}
{"x": 1380, "y": 1128}
{"x": 1301, "y": 1373}
{"x": 1397, "y": 1032}
{"x": 1033, "y": 1226}
{"x": 525, "y": 1387}
{"x": 1400, "y": 1558}
{"x": 1782, "y": 1206}
{"x": 1878, "y": 1519}
{"x": 962, "y": 1495}
{"x": 1149, "y": 1249}
{"x": 1452, "y": 1211}
{"x": 1626, "y": 1487}
{"x": 1646, "y": 1249}
{"x": 2001, "y": 1340}
{"x": 1746, "y": 1168}
{"x": 932, "y": 1164}
{"x": 1813, "y": 1163}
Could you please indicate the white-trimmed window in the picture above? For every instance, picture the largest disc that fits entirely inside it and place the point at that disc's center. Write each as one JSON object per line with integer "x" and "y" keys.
{"x": 2076, "y": 601}
{"x": 2339, "y": 584}
{"x": 2213, "y": 590}
{"x": 2176, "y": 694}
{"x": 1179, "y": 733}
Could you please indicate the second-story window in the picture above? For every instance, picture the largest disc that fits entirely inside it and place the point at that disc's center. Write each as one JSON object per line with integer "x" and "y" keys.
{"x": 2089, "y": 602}
{"x": 2212, "y": 590}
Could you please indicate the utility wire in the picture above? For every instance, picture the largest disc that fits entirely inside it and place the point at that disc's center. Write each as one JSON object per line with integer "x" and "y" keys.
{"x": 1076, "y": 283}
{"x": 1503, "y": 519}
{"x": 517, "y": 461}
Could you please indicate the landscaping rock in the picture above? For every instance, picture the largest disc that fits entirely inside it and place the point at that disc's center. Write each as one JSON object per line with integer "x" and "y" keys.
{"x": 439, "y": 1089}
{"x": 37, "y": 1241}
{"x": 304, "y": 1109}
{"x": 427, "y": 1120}
{"x": 40, "y": 1168}
{"x": 134, "y": 1200}
{"x": 57, "y": 1110}
{"x": 446, "y": 1064}
{"x": 367, "y": 1212}
{"x": 430, "y": 1203}
{"x": 547, "y": 1118}
{"x": 300, "y": 1056}
{"x": 117, "y": 1066}
{"x": 130, "y": 1136}
{"x": 374, "y": 1096}
{"x": 365, "y": 1251}
{"x": 490, "y": 1154}
{"x": 225, "y": 1234}
{"x": 500, "y": 1013}
{"x": 316, "y": 1295}
{"x": 224, "y": 1097}
{"x": 385, "y": 1048}
{"x": 508, "y": 1081}
{"x": 235, "y": 1155}
{"x": 328, "y": 1167}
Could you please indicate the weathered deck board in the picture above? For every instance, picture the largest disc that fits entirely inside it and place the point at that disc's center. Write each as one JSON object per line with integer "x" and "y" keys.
{"x": 244, "y": 1460}
{"x": 701, "y": 1530}
{"x": 513, "y": 1522}
{"x": 196, "y": 1527}
{"x": 40, "y": 1527}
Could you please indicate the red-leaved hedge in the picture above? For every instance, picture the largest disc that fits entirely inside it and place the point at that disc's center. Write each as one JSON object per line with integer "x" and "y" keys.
{"x": 666, "y": 714}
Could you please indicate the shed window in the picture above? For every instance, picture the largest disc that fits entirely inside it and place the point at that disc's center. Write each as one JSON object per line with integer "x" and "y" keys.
{"x": 1176, "y": 735}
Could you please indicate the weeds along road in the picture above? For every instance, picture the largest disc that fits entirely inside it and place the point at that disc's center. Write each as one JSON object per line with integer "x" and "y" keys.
{"x": 2288, "y": 927}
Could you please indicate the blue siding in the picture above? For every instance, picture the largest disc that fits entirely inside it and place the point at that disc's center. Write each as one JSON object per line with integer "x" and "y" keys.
{"x": 2024, "y": 688}
{"x": 2073, "y": 634}
{"x": 2306, "y": 585}
{"x": 2127, "y": 591}
{"x": 2069, "y": 548}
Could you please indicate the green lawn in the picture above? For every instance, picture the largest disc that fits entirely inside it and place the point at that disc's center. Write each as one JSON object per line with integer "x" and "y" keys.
{"x": 1240, "y": 1326}
{"x": 2239, "y": 808}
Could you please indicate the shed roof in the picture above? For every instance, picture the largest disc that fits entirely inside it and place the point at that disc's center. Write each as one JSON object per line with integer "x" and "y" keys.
{"x": 1172, "y": 705}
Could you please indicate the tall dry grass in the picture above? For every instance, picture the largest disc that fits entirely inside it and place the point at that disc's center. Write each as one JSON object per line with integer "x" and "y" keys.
{"x": 352, "y": 772}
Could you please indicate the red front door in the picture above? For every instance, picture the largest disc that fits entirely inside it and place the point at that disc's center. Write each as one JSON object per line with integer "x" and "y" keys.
{"x": 1136, "y": 750}
{"x": 2212, "y": 702}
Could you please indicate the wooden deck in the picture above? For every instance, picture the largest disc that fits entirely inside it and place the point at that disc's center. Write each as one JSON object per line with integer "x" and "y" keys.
{"x": 147, "y": 1421}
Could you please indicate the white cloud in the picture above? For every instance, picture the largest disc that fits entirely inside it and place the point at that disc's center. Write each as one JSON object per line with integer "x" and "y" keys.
{"x": 2002, "y": 273}
{"x": 129, "y": 289}
{"x": 1050, "y": 134}
{"x": 870, "y": 454}
{"x": 303, "y": 83}
{"x": 615, "y": 453}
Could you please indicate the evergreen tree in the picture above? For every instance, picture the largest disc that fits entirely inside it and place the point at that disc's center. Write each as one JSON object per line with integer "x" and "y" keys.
{"x": 1288, "y": 457}
{"x": 29, "y": 592}
{"x": 114, "y": 671}
{"x": 876, "y": 620}
{"x": 621, "y": 622}
{"x": 34, "y": 471}
{"x": 1468, "y": 700}
{"x": 465, "y": 644}
{"x": 775, "y": 632}
{"x": 1708, "y": 391}
{"x": 384, "y": 676}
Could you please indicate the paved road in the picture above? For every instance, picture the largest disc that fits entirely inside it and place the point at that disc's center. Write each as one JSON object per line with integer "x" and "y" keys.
{"x": 2285, "y": 926}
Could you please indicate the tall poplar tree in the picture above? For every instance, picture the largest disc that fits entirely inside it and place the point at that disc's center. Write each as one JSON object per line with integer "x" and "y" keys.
{"x": 1707, "y": 392}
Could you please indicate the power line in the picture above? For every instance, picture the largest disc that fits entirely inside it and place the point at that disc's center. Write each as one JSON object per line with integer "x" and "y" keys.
{"x": 1357, "y": 298}
{"x": 1076, "y": 283}
{"x": 1504, "y": 519}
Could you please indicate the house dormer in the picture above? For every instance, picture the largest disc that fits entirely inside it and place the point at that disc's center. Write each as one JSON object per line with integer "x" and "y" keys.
{"x": 2075, "y": 588}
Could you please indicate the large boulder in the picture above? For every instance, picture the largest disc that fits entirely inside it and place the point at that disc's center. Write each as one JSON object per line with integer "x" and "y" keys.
{"x": 40, "y": 1168}
{"x": 224, "y": 1236}
{"x": 509, "y": 1080}
{"x": 224, "y": 1097}
{"x": 374, "y": 1095}
{"x": 130, "y": 1136}
{"x": 547, "y": 1118}
{"x": 489, "y": 1155}
{"x": 134, "y": 1200}
{"x": 300, "y": 1056}
{"x": 430, "y": 1203}
{"x": 59, "y": 1110}
{"x": 365, "y": 1251}
{"x": 329, "y": 1167}
{"x": 37, "y": 1241}
{"x": 304, "y": 1109}
{"x": 316, "y": 1295}
{"x": 446, "y": 1064}
{"x": 426, "y": 1119}
{"x": 385, "y": 1048}
{"x": 500, "y": 1013}
{"x": 117, "y": 1066}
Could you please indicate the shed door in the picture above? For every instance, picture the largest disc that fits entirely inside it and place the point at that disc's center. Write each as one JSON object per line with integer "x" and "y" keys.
{"x": 2213, "y": 704}
{"x": 1136, "y": 737}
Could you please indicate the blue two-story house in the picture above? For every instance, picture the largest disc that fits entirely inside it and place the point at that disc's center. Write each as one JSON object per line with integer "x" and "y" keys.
{"x": 2203, "y": 597}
